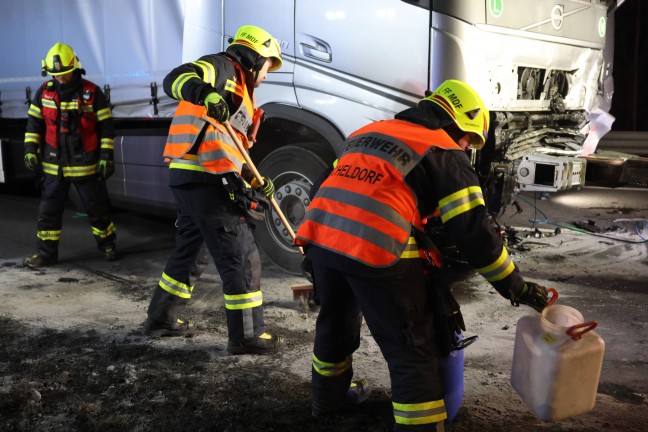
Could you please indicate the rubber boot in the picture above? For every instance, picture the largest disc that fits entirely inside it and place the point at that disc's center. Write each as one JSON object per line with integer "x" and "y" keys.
{"x": 264, "y": 344}
{"x": 163, "y": 317}
{"x": 37, "y": 261}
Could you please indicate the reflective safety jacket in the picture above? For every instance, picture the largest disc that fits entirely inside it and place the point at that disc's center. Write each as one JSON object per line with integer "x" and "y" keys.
{"x": 196, "y": 142}
{"x": 360, "y": 215}
{"x": 76, "y": 122}
{"x": 212, "y": 149}
{"x": 365, "y": 210}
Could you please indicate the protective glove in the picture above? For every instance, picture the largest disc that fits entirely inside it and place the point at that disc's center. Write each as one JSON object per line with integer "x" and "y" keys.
{"x": 531, "y": 294}
{"x": 257, "y": 207}
{"x": 106, "y": 169}
{"x": 217, "y": 107}
{"x": 268, "y": 188}
{"x": 31, "y": 161}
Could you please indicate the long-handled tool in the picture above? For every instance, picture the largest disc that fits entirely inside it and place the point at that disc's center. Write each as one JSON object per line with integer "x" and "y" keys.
{"x": 300, "y": 291}
{"x": 257, "y": 175}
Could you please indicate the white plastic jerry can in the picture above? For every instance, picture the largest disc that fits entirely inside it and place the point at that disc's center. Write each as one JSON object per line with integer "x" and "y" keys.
{"x": 557, "y": 362}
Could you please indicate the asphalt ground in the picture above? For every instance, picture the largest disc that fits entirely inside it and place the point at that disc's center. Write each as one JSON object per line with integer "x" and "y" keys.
{"x": 590, "y": 245}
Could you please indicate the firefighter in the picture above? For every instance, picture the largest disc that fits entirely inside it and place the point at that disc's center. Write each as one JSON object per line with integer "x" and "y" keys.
{"x": 216, "y": 194}
{"x": 70, "y": 138}
{"x": 359, "y": 233}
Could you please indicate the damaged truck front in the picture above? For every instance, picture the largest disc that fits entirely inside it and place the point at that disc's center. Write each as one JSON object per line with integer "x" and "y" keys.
{"x": 540, "y": 66}
{"x": 549, "y": 89}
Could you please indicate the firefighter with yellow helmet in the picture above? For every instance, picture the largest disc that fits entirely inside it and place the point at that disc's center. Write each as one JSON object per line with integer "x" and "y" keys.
{"x": 363, "y": 234}
{"x": 70, "y": 138}
{"x": 216, "y": 194}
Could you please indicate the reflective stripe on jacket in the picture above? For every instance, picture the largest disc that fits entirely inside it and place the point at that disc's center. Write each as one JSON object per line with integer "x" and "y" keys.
{"x": 216, "y": 152}
{"x": 87, "y": 118}
{"x": 70, "y": 126}
{"x": 364, "y": 209}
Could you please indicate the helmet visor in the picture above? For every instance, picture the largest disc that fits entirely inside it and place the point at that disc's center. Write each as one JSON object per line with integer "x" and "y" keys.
{"x": 54, "y": 65}
{"x": 476, "y": 141}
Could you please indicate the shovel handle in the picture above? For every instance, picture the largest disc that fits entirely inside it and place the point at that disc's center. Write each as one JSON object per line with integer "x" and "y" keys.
{"x": 257, "y": 175}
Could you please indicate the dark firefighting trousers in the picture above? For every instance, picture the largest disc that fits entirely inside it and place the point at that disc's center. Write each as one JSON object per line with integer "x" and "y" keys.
{"x": 397, "y": 310}
{"x": 203, "y": 216}
{"x": 54, "y": 193}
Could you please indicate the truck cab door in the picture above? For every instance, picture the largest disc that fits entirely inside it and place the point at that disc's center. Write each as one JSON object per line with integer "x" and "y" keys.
{"x": 360, "y": 61}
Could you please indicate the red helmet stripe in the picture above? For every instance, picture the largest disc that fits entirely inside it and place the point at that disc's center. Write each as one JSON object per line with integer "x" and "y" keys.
{"x": 244, "y": 42}
{"x": 444, "y": 103}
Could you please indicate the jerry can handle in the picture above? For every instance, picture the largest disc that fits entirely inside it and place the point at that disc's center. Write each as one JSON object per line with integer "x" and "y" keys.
{"x": 578, "y": 330}
{"x": 554, "y": 296}
{"x": 465, "y": 342}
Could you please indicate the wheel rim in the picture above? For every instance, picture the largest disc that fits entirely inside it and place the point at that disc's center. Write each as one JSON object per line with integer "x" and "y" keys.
{"x": 292, "y": 191}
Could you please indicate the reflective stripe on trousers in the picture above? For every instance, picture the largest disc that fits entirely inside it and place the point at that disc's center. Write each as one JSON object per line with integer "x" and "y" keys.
{"x": 207, "y": 215}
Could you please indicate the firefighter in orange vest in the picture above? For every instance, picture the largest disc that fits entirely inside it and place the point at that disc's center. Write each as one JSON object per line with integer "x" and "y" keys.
{"x": 215, "y": 192}
{"x": 70, "y": 137}
{"x": 359, "y": 235}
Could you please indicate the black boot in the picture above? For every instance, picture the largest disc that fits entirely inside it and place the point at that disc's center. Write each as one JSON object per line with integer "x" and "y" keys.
{"x": 111, "y": 253}
{"x": 37, "y": 261}
{"x": 163, "y": 312}
{"x": 264, "y": 344}
{"x": 358, "y": 392}
{"x": 161, "y": 329}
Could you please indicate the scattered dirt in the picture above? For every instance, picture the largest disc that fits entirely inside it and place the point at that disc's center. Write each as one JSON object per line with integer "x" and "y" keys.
{"x": 72, "y": 357}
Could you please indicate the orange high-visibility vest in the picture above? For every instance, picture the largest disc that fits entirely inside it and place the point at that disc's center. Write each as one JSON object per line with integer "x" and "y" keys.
{"x": 217, "y": 153}
{"x": 364, "y": 209}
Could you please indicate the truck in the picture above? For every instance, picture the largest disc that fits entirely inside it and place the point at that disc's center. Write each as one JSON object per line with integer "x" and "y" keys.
{"x": 541, "y": 66}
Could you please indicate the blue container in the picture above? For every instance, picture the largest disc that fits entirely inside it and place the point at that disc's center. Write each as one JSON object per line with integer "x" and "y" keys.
{"x": 452, "y": 369}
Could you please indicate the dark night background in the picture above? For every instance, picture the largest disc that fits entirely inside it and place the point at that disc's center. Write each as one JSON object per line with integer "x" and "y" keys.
{"x": 630, "y": 99}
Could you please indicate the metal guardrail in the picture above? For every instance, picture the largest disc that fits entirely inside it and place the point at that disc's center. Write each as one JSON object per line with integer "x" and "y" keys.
{"x": 635, "y": 143}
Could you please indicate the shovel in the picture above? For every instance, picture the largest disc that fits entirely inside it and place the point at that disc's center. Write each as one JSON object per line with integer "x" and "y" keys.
{"x": 248, "y": 160}
{"x": 306, "y": 290}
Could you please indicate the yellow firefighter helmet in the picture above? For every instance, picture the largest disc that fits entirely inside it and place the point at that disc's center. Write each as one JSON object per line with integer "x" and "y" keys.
{"x": 466, "y": 108}
{"x": 261, "y": 42}
{"x": 60, "y": 60}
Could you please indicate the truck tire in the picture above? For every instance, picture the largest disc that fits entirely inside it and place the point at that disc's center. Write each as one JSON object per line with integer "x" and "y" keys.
{"x": 293, "y": 170}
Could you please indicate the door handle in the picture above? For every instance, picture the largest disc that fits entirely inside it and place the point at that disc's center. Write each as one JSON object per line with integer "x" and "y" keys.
{"x": 318, "y": 50}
